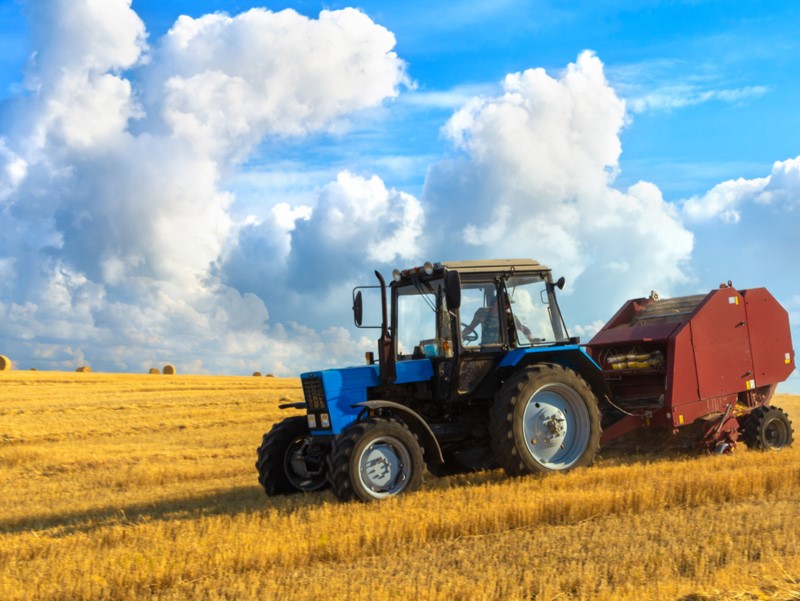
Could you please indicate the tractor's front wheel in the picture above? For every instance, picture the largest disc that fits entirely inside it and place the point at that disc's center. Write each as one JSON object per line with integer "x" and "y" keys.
{"x": 545, "y": 419}
{"x": 767, "y": 429}
{"x": 375, "y": 459}
{"x": 289, "y": 460}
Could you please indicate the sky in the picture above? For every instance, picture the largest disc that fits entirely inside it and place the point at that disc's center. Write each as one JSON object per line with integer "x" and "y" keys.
{"x": 202, "y": 183}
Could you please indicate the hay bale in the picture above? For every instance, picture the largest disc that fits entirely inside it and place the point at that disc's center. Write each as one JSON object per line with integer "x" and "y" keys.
{"x": 34, "y": 369}
{"x": 154, "y": 370}
{"x": 270, "y": 375}
{"x": 168, "y": 370}
{"x": 84, "y": 369}
{"x": 5, "y": 363}
{"x": 257, "y": 374}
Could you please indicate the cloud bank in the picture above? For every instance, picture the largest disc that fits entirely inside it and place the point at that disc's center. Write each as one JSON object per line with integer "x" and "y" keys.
{"x": 123, "y": 244}
{"x": 113, "y": 204}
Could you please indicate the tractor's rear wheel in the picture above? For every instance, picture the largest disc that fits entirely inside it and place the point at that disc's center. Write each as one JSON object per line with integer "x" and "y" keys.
{"x": 289, "y": 460}
{"x": 545, "y": 419}
{"x": 767, "y": 429}
{"x": 375, "y": 459}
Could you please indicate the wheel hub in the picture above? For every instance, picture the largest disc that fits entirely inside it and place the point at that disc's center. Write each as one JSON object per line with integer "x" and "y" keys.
{"x": 556, "y": 426}
{"x": 304, "y": 465}
{"x": 382, "y": 467}
{"x": 775, "y": 434}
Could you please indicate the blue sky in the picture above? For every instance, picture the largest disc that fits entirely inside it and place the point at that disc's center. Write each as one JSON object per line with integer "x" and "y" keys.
{"x": 171, "y": 191}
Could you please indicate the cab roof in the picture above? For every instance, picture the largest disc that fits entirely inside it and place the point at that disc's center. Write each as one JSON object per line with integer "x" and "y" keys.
{"x": 520, "y": 266}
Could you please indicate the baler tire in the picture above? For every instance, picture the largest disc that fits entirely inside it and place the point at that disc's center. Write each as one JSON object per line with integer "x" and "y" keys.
{"x": 767, "y": 429}
{"x": 389, "y": 440}
{"x": 273, "y": 463}
{"x": 514, "y": 409}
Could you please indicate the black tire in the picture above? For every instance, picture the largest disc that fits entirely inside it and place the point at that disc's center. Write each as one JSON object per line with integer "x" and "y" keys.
{"x": 545, "y": 419}
{"x": 767, "y": 429}
{"x": 289, "y": 461}
{"x": 375, "y": 459}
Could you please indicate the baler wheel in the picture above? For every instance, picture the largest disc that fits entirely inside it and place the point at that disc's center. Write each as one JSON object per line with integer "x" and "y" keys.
{"x": 545, "y": 419}
{"x": 375, "y": 459}
{"x": 767, "y": 429}
{"x": 289, "y": 461}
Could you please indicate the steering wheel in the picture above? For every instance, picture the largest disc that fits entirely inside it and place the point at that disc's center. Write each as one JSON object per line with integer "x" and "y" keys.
{"x": 471, "y": 337}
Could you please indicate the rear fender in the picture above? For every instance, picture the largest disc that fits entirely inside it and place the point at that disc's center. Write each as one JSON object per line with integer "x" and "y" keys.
{"x": 572, "y": 357}
{"x": 415, "y": 423}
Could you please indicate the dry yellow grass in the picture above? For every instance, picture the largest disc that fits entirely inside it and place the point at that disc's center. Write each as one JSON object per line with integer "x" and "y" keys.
{"x": 131, "y": 487}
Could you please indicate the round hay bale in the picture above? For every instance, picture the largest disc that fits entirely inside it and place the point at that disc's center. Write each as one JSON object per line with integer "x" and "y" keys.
{"x": 34, "y": 369}
{"x": 154, "y": 370}
{"x": 5, "y": 363}
{"x": 84, "y": 369}
{"x": 270, "y": 375}
{"x": 257, "y": 374}
{"x": 169, "y": 370}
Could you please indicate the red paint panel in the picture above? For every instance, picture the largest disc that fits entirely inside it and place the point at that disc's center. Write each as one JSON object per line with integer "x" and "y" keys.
{"x": 770, "y": 337}
{"x": 721, "y": 344}
{"x": 681, "y": 371}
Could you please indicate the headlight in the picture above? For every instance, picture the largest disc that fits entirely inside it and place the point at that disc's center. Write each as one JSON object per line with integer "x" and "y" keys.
{"x": 312, "y": 421}
{"x": 325, "y": 421}
{"x": 428, "y": 267}
{"x": 396, "y": 275}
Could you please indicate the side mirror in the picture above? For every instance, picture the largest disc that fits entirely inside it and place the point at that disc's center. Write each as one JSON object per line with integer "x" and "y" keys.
{"x": 453, "y": 286}
{"x": 358, "y": 308}
{"x": 560, "y": 283}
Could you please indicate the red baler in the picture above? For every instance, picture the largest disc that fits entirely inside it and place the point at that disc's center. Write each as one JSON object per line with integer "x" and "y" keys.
{"x": 696, "y": 370}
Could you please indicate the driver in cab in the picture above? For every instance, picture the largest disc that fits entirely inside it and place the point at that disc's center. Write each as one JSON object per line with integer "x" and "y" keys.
{"x": 489, "y": 320}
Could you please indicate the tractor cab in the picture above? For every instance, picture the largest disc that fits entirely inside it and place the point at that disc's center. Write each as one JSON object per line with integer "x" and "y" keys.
{"x": 465, "y": 317}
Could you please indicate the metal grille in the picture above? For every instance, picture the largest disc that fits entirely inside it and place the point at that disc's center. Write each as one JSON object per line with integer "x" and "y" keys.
{"x": 314, "y": 394}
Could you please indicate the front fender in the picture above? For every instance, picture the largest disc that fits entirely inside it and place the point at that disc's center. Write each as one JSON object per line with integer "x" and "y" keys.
{"x": 415, "y": 423}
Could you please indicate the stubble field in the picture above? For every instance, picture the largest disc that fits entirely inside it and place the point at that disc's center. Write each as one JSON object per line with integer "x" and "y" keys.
{"x": 143, "y": 487}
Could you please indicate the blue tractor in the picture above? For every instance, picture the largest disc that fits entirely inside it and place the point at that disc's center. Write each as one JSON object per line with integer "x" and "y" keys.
{"x": 474, "y": 369}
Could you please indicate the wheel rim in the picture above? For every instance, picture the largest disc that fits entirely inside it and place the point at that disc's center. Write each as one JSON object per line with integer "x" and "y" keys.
{"x": 556, "y": 426}
{"x": 304, "y": 465}
{"x": 776, "y": 434}
{"x": 384, "y": 467}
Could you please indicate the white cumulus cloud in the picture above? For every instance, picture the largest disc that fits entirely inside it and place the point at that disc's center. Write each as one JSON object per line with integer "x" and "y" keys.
{"x": 726, "y": 200}
{"x": 224, "y": 82}
{"x": 112, "y": 173}
{"x": 536, "y": 180}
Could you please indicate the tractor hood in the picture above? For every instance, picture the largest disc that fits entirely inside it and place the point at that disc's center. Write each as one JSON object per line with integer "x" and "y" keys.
{"x": 335, "y": 391}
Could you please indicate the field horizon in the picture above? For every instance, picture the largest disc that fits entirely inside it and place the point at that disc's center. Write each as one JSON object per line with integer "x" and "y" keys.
{"x": 130, "y": 486}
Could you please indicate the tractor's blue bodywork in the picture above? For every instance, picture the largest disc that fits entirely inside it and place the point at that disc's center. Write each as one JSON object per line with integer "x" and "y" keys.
{"x": 344, "y": 390}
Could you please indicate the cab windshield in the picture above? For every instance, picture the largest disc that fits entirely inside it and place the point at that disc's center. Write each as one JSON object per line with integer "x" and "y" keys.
{"x": 514, "y": 312}
{"x": 422, "y": 323}
{"x": 533, "y": 317}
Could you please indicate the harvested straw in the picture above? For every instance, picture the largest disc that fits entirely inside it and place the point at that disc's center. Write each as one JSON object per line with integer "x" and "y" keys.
{"x": 84, "y": 369}
{"x": 169, "y": 370}
{"x": 5, "y": 363}
{"x": 257, "y": 374}
{"x": 270, "y": 375}
{"x": 154, "y": 370}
